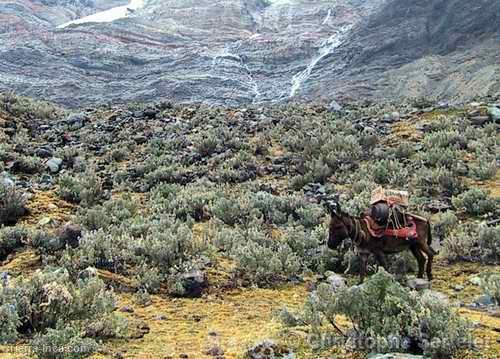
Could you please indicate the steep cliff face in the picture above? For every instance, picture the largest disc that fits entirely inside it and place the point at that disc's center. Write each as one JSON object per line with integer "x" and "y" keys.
{"x": 238, "y": 51}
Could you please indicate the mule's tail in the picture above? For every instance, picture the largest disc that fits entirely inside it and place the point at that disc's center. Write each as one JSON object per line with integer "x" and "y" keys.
{"x": 429, "y": 237}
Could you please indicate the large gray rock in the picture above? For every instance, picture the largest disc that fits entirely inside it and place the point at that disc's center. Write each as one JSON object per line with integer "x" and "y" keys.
{"x": 494, "y": 113}
{"x": 418, "y": 283}
{"x": 54, "y": 164}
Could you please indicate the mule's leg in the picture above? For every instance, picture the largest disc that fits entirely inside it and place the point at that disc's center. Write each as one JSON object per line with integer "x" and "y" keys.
{"x": 381, "y": 259}
{"x": 420, "y": 259}
{"x": 430, "y": 257}
{"x": 363, "y": 262}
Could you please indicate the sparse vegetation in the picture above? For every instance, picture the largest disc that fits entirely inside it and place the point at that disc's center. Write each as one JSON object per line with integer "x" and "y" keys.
{"x": 171, "y": 207}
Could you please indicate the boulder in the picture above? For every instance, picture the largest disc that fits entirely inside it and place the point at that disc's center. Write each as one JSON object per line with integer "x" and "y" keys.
{"x": 418, "y": 283}
{"x": 54, "y": 164}
{"x": 484, "y": 300}
{"x": 70, "y": 235}
{"x": 268, "y": 349}
{"x": 43, "y": 152}
{"x": 479, "y": 120}
{"x": 494, "y": 114}
{"x": 475, "y": 281}
{"x": 193, "y": 284}
{"x": 335, "y": 106}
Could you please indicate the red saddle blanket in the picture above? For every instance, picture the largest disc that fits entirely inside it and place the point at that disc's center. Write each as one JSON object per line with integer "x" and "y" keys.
{"x": 409, "y": 232}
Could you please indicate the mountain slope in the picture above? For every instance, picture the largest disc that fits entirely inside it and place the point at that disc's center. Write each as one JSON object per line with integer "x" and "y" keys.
{"x": 231, "y": 52}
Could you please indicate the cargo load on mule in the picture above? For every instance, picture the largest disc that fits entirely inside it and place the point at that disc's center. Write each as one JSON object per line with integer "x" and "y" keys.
{"x": 388, "y": 217}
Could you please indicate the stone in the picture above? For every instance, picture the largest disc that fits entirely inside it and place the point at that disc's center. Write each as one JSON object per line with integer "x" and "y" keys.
{"x": 395, "y": 116}
{"x": 418, "y": 283}
{"x": 70, "y": 235}
{"x": 54, "y": 164}
{"x": 479, "y": 120}
{"x": 6, "y": 182}
{"x": 215, "y": 351}
{"x": 475, "y": 281}
{"x": 268, "y": 349}
{"x": 76, "y": 120}
{"x": 336, "y": 282}
{"x": 484, "y": 300}
{"x": 458, "y": 288}
{"x": 45, "y": 221}
{"x": 335, "y": 106}
{"x": 160, "y": 317}
{"x": 127, "y": 309}
{"x": 43, "y": 152}
{"x": 193, "y": 284}
{"x": 494, "y": 114}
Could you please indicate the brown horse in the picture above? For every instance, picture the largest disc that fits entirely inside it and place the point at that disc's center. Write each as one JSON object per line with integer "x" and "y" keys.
{"x": 343, "y": 226}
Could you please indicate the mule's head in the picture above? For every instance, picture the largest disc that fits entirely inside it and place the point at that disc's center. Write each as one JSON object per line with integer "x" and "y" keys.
{"x": 339, "y": 224}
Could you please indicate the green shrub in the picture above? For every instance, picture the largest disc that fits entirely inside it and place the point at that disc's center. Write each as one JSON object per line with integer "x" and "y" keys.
{"x": 383, "y": 310}
{"x": 10, "y": 317}
{"x": 85, "y": 188}
{"x": 12, "y": 238}
{"x": 49, "y": 299}
{"x": 12, "y": 205}
{"x": 444, "y": 224}
{"x": 65, "y": 342}
{"x": 475, "y": 202}
{"x": 490, "y": 284}
{"x": 266, "y": 266}
{"x": 473, "y": 243}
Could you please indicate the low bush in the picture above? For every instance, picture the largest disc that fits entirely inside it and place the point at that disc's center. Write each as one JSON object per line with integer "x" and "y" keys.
{"x": 386, "y": 313}
{"x": 12, "y": 238}
{"x": 12, "y": 205}
{"x": 65, "y": 342}
{"x": 475, "y": 202}
{"x": 50, "y": 298}
{"x": 490, "y": 284}
{"x": 477, "y": 243}
{"x": 85, "y": 188}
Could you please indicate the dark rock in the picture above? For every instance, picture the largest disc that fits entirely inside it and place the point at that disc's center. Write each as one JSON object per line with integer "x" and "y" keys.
{"x": 160, "y": 317}
{"x": 139, "y": 139}
{"x": 70, "y": 235}
{"x": 215, "y": 351}
{"x": 127, "y": 309}
{"x": 43, "y": 152}
{"x": 193, "y": 284}
{"x": 268, "y": 349}
{"x": 151, "y": 112}
{"x": 479, "y": 120}
{"x": 76, "y": 120}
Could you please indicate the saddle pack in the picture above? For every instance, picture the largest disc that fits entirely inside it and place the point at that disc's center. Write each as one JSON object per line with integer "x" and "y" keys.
{"x": 387, "y": 215}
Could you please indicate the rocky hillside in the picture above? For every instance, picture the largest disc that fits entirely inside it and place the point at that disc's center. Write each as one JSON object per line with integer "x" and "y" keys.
{"x": 205, "y": 222}
{"x": 231, "y": 52}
